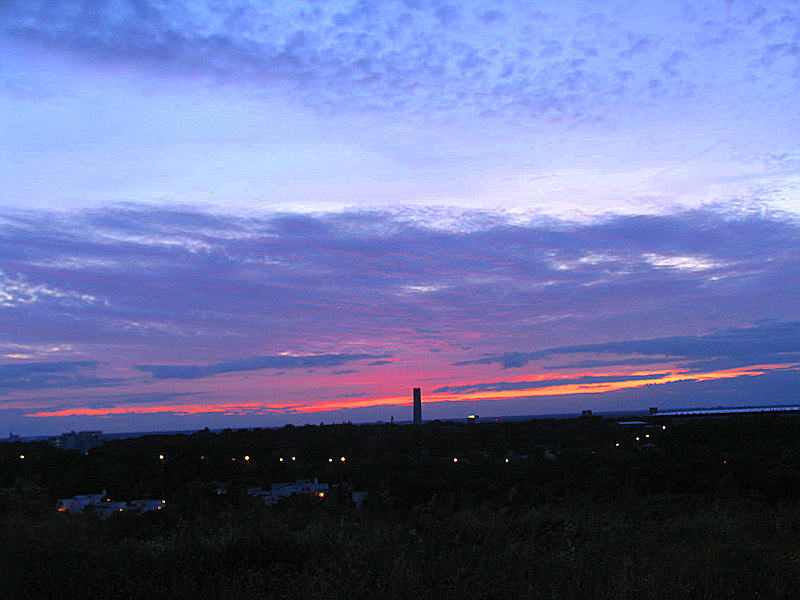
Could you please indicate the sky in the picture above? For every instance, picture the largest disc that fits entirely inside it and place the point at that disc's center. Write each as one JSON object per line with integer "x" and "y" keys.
{"x": 246, "y": 214}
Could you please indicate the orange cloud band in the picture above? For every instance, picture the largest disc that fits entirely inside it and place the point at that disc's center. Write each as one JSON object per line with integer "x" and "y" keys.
{"x": 554, "y": 390}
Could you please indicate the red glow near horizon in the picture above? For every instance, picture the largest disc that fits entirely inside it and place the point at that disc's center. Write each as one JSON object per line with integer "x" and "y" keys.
{"x": 563, "y": 389}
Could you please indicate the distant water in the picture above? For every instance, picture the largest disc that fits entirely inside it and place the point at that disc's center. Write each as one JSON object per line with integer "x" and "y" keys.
{"x": 502, "y": 419}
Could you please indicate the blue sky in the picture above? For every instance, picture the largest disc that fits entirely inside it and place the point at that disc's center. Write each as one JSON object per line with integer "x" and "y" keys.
{"x": 253, "y": 213}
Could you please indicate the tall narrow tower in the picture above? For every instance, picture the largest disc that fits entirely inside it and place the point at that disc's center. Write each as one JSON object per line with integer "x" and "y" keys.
{"x": 417, "y": 406}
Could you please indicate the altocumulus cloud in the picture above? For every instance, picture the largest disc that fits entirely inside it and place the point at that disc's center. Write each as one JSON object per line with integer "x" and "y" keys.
{"x": 546, "y": 58}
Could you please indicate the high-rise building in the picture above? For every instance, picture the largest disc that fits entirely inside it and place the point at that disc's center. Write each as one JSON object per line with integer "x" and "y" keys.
{"x": 417, "y": 406}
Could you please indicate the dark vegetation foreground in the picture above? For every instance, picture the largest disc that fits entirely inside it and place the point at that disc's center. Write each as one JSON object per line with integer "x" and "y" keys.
{"x": 704, "y": 509}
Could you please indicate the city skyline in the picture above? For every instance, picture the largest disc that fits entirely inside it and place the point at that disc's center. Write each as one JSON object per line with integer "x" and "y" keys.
{"x": 257, "y": 213}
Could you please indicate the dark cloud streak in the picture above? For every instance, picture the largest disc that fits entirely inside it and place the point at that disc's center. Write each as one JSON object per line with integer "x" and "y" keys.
{"x": 51, "y": 375}
{"x": 767, "y": 343}
{"x": 254, "y": 364}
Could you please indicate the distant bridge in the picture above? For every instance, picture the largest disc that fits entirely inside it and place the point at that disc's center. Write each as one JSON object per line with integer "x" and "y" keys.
{"x": 725, "y": 411}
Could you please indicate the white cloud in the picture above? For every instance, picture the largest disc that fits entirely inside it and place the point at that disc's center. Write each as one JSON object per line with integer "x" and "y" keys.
{"x": 17, "y": 291}
{"x": 683, "y": 263}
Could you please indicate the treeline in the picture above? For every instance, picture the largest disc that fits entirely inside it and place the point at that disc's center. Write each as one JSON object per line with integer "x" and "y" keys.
{"x": 164, "y": 464}
{"x": 541, "y": 458}
{"x": 577, "y": 508}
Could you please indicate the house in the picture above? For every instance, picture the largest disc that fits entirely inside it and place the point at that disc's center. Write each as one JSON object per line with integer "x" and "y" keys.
{"x": 103, "y": 507}
{"x": 79, "y": 503}
{"x": 278, "y": 491}
{"x": 108, "y": 508}
{"x": 143, "y": 506}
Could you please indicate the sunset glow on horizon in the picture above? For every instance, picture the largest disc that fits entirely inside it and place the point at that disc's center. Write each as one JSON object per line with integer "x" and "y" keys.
{"x": 566, "y": 389}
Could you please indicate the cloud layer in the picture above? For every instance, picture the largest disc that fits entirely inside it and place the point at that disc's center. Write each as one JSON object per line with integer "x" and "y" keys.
{"x": 168, "y": 276}
{"x": 155, "y": 272}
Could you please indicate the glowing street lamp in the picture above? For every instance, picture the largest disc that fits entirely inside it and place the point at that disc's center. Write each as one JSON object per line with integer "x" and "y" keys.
{"x": 343, "y": 459}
